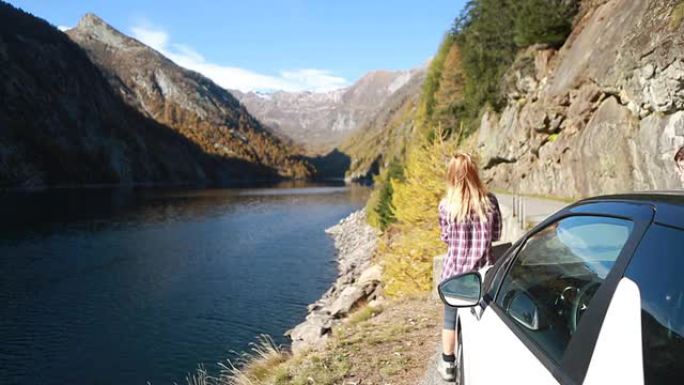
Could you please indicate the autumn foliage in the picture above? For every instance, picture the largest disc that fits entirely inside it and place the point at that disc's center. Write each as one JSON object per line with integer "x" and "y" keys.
{"x": 413, "y": 240}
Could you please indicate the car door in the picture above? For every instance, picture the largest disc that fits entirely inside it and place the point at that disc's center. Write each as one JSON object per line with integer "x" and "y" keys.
{"x": 530, "y": 328}
{"x": 644, "y": 325}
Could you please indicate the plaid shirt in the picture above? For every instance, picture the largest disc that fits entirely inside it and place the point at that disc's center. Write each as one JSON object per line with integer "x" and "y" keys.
{"x": 470, "y": 241}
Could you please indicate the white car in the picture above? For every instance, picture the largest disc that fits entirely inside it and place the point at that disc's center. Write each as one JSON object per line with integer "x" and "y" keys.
{"x": 593, "y": 295}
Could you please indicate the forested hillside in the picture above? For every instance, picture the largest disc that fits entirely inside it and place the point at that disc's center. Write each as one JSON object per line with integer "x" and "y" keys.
{"x": 556, "y": 97}
{"x": 383, "y": 137}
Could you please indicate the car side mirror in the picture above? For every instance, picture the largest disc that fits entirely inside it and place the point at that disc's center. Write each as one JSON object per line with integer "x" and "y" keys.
{"x": 463, "y": 290}
{"x": 525, "y": 312}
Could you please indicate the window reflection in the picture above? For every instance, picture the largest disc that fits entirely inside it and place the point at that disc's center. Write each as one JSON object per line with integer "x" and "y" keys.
{"x": 656, "y": 268}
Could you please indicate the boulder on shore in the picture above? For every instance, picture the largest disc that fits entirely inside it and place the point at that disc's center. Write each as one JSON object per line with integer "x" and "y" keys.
{"x": 358, "y": 282}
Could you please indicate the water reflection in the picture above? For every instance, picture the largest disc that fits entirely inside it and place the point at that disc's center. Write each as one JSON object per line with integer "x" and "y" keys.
{"x": 129, "y": 285}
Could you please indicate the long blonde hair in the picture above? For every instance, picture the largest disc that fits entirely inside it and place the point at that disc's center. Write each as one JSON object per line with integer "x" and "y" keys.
{"x": 466, "y": 196}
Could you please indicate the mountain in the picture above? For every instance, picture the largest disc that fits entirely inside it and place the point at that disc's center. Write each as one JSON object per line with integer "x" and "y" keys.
{"x": 183, "y": 100}
{"x": 321, "y": 121}
{"x": 62, "y": 124}
{"x": 384, "y": 136}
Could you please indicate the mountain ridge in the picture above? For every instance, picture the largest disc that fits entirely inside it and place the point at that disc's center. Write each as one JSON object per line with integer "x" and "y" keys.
{"x": 383, "y": 137}
{"x": 62, "y": 124}
{"x": 184, "y": 100}
{"x": 321, "y": 121}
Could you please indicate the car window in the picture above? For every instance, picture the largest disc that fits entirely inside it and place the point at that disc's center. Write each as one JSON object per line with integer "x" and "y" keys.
{"x": 657, "y": 268}
{"x": 556, "y": 273}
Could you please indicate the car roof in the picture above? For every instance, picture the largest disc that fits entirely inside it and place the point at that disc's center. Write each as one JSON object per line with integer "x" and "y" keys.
{"x": 668, "y": 204}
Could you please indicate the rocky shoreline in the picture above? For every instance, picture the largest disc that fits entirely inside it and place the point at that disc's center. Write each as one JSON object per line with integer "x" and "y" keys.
{"x": 358, "y": 283}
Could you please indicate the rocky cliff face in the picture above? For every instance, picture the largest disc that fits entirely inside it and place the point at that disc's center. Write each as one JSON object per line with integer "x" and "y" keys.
{"x": 320, "y": 121}
{"x": 185, "y": 101}
{"x": 60, "y": 122}
{"x": 603, "y": 114}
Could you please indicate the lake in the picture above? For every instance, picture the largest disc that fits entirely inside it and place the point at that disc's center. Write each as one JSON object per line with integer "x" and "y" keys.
{"x": 126, "y": 286}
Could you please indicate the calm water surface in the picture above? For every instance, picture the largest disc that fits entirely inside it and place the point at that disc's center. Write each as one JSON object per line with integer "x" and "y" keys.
{"x": 129, "y": 286}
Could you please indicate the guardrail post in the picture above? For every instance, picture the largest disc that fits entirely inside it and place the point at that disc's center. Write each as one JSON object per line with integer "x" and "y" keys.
{"x": 514, "y": 205}
{"x": 515, "y": 209}
{"x": 518, "y": 207}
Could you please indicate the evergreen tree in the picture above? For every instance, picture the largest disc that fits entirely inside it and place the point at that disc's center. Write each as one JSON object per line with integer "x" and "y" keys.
{"x": 485, "y": 33}
{"x": 490, "y": 33}
{"x": 543, "y": 21}
{"x": 384, "y": 208}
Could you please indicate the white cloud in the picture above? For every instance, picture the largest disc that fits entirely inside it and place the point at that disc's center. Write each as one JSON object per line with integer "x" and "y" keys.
{"x": 306, "y": 79}
{"x": 63, "y": 28}
{"x": 155, "y": 38}
{"x": 315, "y": 78}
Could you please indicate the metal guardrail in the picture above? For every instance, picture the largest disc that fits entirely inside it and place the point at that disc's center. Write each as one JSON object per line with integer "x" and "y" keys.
{"x": 520, "y": 211}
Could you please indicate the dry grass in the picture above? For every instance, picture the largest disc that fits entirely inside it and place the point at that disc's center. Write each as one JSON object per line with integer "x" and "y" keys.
{"x": 250, "y": 368}
{"x": 391, "y": 345}
{"x": 365, "y": 314}
{"x": 200, "y": 377}
{"x": 254, "y": 366}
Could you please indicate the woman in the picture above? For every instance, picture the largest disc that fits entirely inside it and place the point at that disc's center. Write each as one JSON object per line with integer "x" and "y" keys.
{"x": 679, "y": 164}
{"x": 470, "y": 220}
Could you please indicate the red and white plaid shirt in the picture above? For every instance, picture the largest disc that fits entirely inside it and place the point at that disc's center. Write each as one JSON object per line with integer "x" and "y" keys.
{"x": 469, "y": 241}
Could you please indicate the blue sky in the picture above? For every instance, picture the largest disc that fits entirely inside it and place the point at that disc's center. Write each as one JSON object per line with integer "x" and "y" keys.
{"x": 270, "y": 44}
